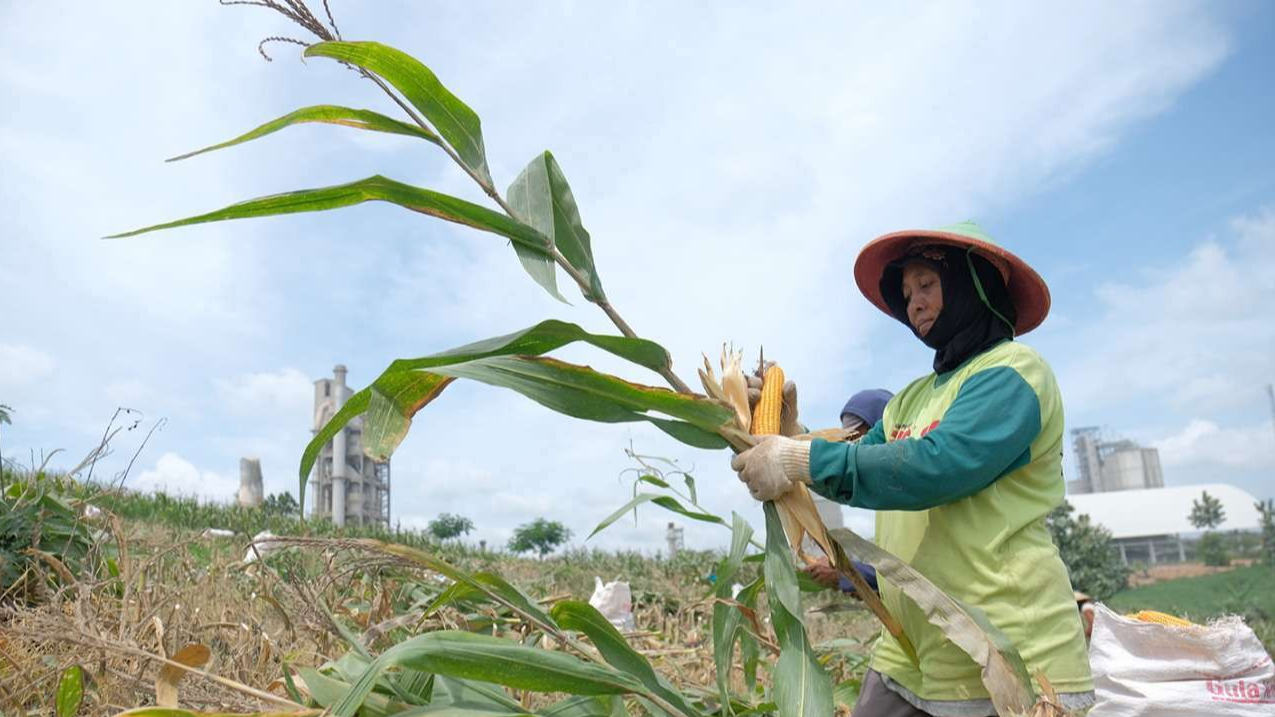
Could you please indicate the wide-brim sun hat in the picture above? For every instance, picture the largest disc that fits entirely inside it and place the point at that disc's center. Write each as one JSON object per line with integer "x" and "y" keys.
{"x": 1026, "y": 289}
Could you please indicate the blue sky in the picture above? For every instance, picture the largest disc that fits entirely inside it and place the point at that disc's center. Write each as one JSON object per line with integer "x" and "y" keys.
{"x": 1124, "y": 151}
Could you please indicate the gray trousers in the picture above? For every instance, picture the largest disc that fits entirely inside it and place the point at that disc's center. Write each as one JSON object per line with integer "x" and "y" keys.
{"x": 877, "y": 700}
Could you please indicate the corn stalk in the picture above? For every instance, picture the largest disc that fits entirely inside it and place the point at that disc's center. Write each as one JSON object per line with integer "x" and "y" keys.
{"x": 540, "y": 219}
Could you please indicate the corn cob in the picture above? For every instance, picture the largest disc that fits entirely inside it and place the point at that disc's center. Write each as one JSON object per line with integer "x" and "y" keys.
{"x": 1161, "y": 618}
{"x": 769, "y": 411}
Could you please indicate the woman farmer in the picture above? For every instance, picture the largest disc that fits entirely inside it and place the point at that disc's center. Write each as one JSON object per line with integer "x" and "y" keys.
{"x": 963, "y": 467}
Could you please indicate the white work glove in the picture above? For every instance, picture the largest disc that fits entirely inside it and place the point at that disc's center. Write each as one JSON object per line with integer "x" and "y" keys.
{"x": 772, "y": 466}
{"x": 788, "y": 424}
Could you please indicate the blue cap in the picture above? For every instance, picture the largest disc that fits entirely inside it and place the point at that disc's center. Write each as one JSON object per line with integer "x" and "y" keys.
{"x": 868, "y": 405}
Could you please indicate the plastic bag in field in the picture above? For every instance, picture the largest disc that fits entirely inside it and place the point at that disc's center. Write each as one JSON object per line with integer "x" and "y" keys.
{"x": 1145, "y": 669}
{"x": 261, "y": 546}
{"x": 615, "y": 601}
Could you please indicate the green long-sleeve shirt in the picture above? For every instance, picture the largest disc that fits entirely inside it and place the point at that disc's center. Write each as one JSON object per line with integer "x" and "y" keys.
{"x": 985, "y": 433}
{"x": 962, "y": 470}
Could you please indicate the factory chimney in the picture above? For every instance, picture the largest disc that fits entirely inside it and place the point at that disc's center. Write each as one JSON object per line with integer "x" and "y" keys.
{"x": 338, "y": 451}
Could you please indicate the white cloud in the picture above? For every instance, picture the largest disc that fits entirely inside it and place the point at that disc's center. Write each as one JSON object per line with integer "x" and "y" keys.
{"x": 1202, "y": 448}
{"x": 130, "y": 392}
{"x": 287, "y": 393}
{"x": 178, "y": 476}
{"x": 1194, "y": 334}
{"x": 21, "y": 366}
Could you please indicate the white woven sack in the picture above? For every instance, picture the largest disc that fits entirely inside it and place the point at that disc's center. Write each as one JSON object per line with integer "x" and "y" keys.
{"x": 1144, "y": 669}
{"x": 615, "y": 601}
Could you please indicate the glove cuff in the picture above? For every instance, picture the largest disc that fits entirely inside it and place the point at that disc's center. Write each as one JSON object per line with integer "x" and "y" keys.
{"x": 794, "y": 457}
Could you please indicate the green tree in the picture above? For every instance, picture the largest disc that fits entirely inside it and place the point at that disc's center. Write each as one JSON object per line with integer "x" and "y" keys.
{"x": 539, "y": 535}
{"x": 1087, "y": 550}
{"x": 1207, "y": 512}
{"x": 1213, "y": 550}
{"x": 1267, "y": 510}
{"x": 447, "y": 526}
{"x": 281, "y": 504}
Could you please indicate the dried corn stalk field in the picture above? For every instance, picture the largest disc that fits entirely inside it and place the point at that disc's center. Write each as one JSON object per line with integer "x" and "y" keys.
{"x": 321, "y": 602}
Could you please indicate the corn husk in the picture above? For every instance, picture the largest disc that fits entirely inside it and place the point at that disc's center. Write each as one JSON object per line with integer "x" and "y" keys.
{"x": 735, "y": 386}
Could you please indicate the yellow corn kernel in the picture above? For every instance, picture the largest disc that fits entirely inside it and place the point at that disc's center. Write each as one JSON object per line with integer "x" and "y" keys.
{"x": 1161, "y": 618}
{"x": 769, "y": 410}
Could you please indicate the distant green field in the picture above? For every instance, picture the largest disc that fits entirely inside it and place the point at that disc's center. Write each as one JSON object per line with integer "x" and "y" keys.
{"x": 1245, "y": 591}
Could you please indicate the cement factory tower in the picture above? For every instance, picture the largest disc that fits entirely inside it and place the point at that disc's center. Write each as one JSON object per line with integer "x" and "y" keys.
{"x": 354, "y": 490}
{"x": 1111, "y": 465}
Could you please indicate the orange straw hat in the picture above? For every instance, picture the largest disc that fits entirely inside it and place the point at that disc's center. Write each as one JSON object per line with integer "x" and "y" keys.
{"x": 1026, "y": 289}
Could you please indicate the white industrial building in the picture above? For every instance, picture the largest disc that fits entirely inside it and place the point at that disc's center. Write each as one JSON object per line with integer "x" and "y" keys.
{"x": 1147, "y": 525}
{"x": 1111, "y": 465}
{"x": 355, "y": 490}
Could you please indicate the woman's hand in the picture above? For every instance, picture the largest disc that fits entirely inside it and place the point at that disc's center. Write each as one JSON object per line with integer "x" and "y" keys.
{"x": 822, "y": 572}
{"x": 770, "y": 468}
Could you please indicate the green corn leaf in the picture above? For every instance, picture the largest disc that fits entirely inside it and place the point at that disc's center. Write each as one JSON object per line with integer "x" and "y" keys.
{"x": 374, "y": 188}
{"x": 493, "y": 586}
{"x": 454, "y": 120}
{"x": 583, "y": 617}
{"x": 1004, "y": 674}
{"x": 749, "y": 647}
{"x": 541, "y": 198}
{"x": 726, "y": 618}
{"x": 326, "y": 114}
{"x": 847, "y": 693}
{"x": 456, "y": 592}
{"x": 582, "y": 706}
{"x": 461, "y": 709}
{"x": 647, "y": 478}
{"x": 70, "y": 691}
{"x": 178, "y": 712}
{"x": 664, "y": 501}
{"x": 490, "y": 659}
{"x": 801, "y": 686}
{"x": 452, "y": 690}
{"x": 512, "y": 361}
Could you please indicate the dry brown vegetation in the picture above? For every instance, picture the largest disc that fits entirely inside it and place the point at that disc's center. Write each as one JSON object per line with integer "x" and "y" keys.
{"x": 305, "y": 605}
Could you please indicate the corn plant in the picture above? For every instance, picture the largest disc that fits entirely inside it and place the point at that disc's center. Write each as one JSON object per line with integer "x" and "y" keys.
{"x": 538, "y": 215}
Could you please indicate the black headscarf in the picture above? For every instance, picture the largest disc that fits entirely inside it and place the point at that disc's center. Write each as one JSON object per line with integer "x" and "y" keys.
{"x": 969, "y": 323}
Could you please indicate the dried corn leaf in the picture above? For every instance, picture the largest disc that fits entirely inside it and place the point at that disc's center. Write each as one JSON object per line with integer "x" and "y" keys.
{"x": 1004, "y": 674}
{"x": 192, "y": 655}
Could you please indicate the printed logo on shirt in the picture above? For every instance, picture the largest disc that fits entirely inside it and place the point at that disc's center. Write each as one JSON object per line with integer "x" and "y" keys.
{"x": 901, "y": 432}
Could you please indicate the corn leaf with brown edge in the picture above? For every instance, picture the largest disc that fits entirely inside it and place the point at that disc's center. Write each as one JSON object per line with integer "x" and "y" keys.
{"x": 405, "y": 387}
{"x": 801, "y": 686}
{"x": 1004, "y": 674}
{"x": 323, "y": 114}
{"x": 374, "y": 188}
{"x": 491, "y": 659}
{"x": 583, "y": 617}
{"x": 541, "y": 198}
{"x": 454, "y": 120}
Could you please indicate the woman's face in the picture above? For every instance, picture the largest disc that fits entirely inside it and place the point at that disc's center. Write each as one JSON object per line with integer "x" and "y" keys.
{"x": 924, "y": 294}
